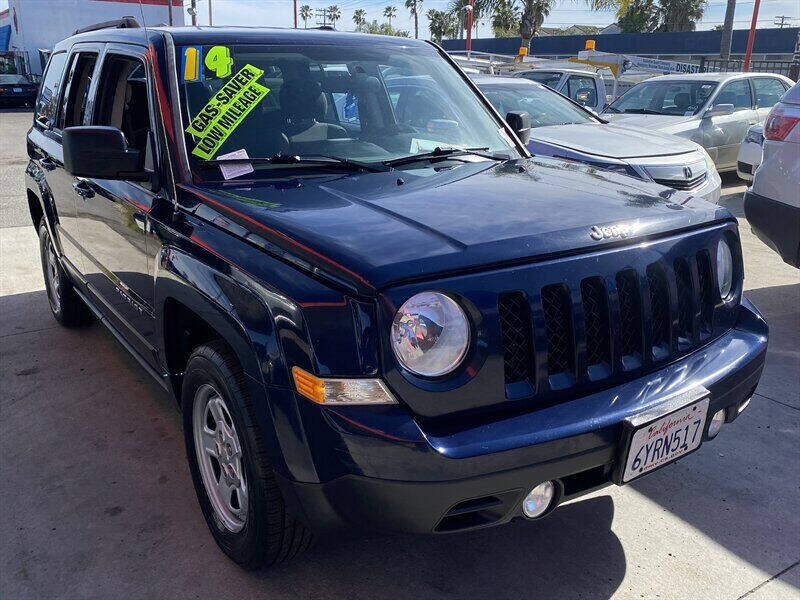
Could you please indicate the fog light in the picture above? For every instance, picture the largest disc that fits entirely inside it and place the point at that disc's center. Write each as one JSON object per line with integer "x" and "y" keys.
{"x": 716, "y": 423}
{"x": 743, "y": 405}
{"x": 539, "y": 500}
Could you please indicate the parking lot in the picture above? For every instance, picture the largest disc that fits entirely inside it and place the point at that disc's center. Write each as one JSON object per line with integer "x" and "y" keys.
{"x": 96, "y": 499}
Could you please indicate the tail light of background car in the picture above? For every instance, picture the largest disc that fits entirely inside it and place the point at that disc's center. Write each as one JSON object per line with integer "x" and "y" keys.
{"x": 778, "y": 124}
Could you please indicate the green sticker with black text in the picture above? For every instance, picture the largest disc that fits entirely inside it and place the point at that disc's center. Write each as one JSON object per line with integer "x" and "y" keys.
{"x": 226, "y": 110}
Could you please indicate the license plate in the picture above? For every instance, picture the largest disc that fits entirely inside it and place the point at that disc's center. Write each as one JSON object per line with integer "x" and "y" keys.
{"x": 17, "y": 90}
{"x": 665, "y": 439}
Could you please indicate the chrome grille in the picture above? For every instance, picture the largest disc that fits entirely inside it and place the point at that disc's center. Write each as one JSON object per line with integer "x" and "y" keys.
{"x": 683, "y": 184}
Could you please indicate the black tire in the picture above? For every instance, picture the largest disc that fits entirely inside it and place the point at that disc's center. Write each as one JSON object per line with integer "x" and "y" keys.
{"x": 270, "y": 534}
{"x": 65, "y": 304}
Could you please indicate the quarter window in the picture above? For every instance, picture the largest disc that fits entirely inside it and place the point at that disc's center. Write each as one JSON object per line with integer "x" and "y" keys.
{"x": 47, "y": 103}
{"x": 768, "y": 91}
{"x": 77, "y": 96}
{"x": 736, "y": 93}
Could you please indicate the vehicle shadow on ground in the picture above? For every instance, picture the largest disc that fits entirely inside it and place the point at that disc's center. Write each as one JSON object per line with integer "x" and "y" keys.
{"x": 16, "y": 109}
{"x": 732, "y": 196}
{"x": 734, "y": 490}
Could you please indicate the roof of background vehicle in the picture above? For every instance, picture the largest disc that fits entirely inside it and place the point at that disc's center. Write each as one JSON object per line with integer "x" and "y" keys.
{"x": 709, "y": 76}
{"x": 490, "y": 79}
{"x": 242, "y": 35}
{"x": 558, "y": 70}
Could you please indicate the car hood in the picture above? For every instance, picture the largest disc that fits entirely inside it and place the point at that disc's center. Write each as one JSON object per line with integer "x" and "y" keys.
{"x": 647, "y": 121}
{"x": 375, "y": 229}
{"x": 612, "y": 140}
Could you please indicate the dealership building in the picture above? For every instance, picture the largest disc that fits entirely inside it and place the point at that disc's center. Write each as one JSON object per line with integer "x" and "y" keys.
{"x": 30, "y": 28}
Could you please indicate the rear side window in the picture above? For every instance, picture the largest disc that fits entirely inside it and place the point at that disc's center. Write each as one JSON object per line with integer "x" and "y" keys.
{"x": 77, "y": 96}
{"x": 736, "y": 93}
{"x": 582, "y": 90}
{"x": 768, "y": 91}
{"x": 47, "y": 103}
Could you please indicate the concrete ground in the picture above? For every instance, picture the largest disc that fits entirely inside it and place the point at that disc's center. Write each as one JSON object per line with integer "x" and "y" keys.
{"x": 96, "y": 499}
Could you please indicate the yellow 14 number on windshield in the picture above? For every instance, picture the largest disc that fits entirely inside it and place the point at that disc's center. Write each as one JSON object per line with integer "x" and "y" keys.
{"x": 218, "y": 59}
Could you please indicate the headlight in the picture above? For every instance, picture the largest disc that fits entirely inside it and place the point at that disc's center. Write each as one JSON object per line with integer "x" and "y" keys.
{"x": 430, "y": 334}
{"x": 724, "y": 268}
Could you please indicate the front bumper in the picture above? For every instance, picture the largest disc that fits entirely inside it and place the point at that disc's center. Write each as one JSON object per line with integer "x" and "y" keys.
{"x": 776, "y": 224}
{"x": 401, "y": 476}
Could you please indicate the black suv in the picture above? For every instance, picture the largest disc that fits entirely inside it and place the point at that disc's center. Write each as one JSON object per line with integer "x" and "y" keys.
{"x": 375, "y": 310}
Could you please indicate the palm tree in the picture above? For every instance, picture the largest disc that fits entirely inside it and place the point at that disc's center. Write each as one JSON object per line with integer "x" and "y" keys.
{"x": 360, "y": 18}
{"x": 505, "y": 20}
{"x": 413, "y": 7}
{"x": 441, "y": 24}
{"x": 305, "y": 14}
{"x": 390, "y": 12}
{"x": 533, "y": 15}
{"x": 334, "y": 14}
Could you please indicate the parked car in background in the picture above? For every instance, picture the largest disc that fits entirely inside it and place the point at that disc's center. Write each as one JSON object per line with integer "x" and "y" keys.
{"x": 750, "y": 152}
{"x": 17, "y": 90}
{"x": 563, "y": 129}
{"x": 713, "y": 109}
{"x": 587, "y": 88}
{"x": 772, "y": 204}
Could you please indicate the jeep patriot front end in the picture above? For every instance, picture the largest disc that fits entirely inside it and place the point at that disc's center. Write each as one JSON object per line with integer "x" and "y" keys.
{"x": 376, "y": 310}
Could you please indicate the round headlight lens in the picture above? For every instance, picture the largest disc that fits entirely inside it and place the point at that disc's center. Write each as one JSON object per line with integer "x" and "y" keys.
{"x": 430, "y": 334}
{"x": 724, "y": 268}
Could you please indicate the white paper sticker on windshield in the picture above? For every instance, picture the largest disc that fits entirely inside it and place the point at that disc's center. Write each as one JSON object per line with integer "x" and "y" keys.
{"x": 231, "y": 170}
{"x": 419, "y": 145}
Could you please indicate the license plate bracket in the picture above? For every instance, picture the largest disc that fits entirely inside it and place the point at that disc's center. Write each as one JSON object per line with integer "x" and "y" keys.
{"x": 679, "y": 423}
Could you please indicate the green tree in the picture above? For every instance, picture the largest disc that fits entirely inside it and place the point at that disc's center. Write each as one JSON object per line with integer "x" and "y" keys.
{"x": 390, "y": 12}
{"x": 505, "y": 19}
{"x": 634, "y": 16}
{"x": 305, "y": 14}
{"x": 441, "y": 24}
{"x": 639, "y": 17}
{"x": 413, "y": 7}
{"x": 334, "y": 14}
{"x": 360, "y": 19}
{"x": 384, "y": 29}
{"x": 533, "y": 15}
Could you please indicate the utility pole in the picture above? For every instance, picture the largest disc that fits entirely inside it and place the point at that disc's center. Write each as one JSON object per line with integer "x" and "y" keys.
{"x": 169, "y": 13}
{"x": 470, "y": 15}
{"x": 322, "y": 13}
{"x": 782, "y": 20}
{"x": 193, "y": 12}
{"x": 210, "y": 15}
{"x": 727, "y": 34}
{"x": 295, "y": 13}
{"x": 751, "y": 38}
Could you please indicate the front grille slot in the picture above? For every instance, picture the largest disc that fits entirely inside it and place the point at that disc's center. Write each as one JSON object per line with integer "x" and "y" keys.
{"x": 659, "y": 311}
{"x": 557, "y": 308}
{"x": 630, "y": 319}
{"x": 515, "y": 326}
{"x": 683, "y": 184}
{"x": 598, "y": 332}
{"x": 706, "y": 292}
{"x": 683, "y": 282}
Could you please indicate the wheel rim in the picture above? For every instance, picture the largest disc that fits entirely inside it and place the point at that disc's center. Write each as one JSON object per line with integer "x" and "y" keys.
{"x": 51, "y": 272}
{"x": 219, "y": 457}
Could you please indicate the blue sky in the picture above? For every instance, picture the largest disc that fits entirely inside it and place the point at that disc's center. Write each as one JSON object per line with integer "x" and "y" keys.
{"x": 279, "y": 13}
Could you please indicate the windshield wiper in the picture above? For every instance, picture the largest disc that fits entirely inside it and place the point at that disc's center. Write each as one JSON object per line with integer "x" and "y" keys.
{"x": 282, "y": 159}
{"x": 439, "y": 153}
{"x": 641, "y": 111}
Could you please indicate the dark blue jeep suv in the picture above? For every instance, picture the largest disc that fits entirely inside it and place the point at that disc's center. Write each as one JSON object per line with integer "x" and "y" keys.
{"x": 406, "y": 325}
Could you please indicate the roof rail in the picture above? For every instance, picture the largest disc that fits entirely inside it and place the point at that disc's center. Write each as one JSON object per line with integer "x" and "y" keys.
{"x": 123, "y": 23}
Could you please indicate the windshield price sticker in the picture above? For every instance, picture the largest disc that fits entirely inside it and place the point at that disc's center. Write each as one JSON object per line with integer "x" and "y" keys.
{"x": 226, "y": 110}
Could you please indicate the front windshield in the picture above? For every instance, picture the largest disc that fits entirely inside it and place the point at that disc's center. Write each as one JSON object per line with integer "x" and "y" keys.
{"x": 548, "y": 78}
{"x": 545, "y": 106}
{"x": 13, "y": 79}
{"x": 664, "y": 98}
{"x": 359, "y": 103}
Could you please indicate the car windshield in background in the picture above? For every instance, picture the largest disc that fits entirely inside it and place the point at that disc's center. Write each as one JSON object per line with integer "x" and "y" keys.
{"x": 13, "y": 79}
{"x": 339, "y": 104}
{"x": 545, "y": 106}
{"x": 664, "y": 98}
{"x": 548, "y": 78}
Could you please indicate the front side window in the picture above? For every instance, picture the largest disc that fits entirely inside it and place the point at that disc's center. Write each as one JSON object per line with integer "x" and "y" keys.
{"x": 664, "y": 98}
{"x": 548, "y": 78}
{"x": 736, "y": 93}
{"x": 47, "y": 103}
{"x": 77, "y": 97}
{"x": 369, "y": 104}
{"x": 768, "y": 91}
{"x": 545, "y": 106}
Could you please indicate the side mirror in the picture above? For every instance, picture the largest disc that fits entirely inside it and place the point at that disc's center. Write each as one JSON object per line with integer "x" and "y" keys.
{"x": 101, "y": 153}
{"x": 520, "y": 122}
{"x": 720, "y": 110}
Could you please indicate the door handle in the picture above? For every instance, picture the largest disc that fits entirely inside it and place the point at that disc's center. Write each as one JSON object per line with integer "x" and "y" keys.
{"x": 82, "y": 189}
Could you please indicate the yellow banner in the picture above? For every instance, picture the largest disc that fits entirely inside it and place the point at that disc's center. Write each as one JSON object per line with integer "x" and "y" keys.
{"x": 226, "y": 110}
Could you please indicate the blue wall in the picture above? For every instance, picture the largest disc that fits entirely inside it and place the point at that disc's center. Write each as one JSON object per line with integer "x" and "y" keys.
{"x": 768, "y": 41}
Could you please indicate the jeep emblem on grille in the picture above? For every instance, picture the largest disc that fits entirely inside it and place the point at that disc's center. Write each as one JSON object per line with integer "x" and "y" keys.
{"x": 687, "y": 172}
{"x": 605, "y": 233}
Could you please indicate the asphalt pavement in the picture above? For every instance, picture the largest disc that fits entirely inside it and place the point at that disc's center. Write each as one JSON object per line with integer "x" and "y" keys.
{"x": 96, "y": 499}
